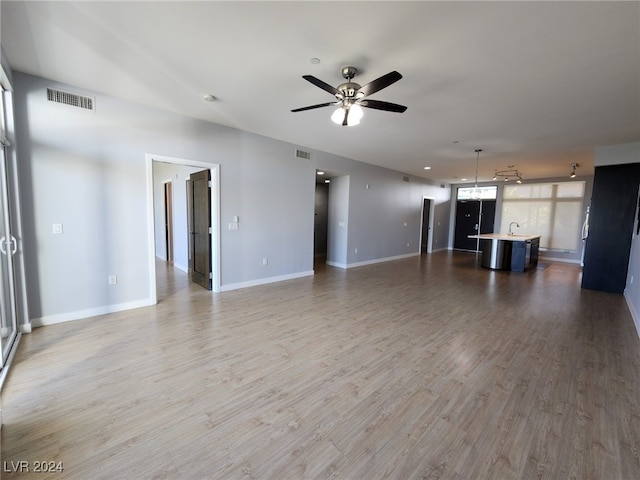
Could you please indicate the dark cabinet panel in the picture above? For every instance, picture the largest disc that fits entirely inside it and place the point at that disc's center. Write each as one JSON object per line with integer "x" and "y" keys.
{"x": 611, "y": 220}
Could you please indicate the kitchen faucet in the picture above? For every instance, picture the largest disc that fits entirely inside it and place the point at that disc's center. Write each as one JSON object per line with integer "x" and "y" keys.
{"x": 511, "y": 225}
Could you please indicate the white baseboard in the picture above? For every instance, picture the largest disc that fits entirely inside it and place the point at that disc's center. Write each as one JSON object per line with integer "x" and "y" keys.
{"x": 264, "y": 281}
{"x": 182, "y": 268}
{"x": 371, "y": 262}
{"x": 634, "y": 314}
{"x": 558, "y": 259}
{"x": 89, "y": 312}
{"x": 336, "y": 264}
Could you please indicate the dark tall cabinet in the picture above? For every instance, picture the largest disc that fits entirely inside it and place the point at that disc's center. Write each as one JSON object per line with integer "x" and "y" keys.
{"x": 611, "y": 221}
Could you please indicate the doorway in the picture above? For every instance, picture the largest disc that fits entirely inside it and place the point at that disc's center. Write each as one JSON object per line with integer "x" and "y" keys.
{"x": 155, "y": 199}
{"x": 320, "y": 223}
{"x": 426, "y": 241}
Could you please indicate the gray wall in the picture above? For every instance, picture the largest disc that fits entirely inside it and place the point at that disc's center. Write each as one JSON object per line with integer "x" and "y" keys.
{"x": 87, "y": 171}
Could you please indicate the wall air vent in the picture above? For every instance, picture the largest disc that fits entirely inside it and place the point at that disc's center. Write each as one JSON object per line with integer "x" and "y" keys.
{"x": 303, "y": 154}
{"x": 405, "y": 179}
{"x": 71, "y": 99}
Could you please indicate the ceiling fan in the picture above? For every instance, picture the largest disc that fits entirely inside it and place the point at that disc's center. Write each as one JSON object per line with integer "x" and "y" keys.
{"x": 351, "y": 96}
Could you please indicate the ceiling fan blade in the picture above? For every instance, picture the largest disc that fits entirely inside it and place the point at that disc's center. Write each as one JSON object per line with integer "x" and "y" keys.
{"x": 311, "y": 107}
{"x": 323, "y": 85}
{"x": 379, "y": 83}
{"x": 386, "y": 106}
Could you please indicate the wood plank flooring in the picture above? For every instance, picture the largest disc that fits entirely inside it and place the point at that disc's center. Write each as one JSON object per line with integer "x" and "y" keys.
{"x": 425, "y": 368}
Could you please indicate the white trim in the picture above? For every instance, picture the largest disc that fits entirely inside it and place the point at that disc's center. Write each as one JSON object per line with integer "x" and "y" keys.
{"x": 336, "y": 264}
{"x": 90, "y": 312}
{"x": 371, "y": 262}
{"x": 214, "y": 168}
{"x": 634, "y": 314}
{"x": 264, "y": 281}
{"x": 558, "y": 259}
{"x": 151, "y": 240}
{"x": 182, "y": 268}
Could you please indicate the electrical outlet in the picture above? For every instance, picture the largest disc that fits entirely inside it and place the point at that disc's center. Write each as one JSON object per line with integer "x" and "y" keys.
{"x": 356, "y": 250}
{"x": 57, "y": 228}
{"x": 265, "y": 262}
{"x": 113, "y": 279}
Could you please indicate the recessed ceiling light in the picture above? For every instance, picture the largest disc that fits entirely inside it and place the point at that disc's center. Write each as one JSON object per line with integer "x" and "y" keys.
{"x": 463, "y": 179}
{"x": 427, "y": 168}
{"x": 319, "y": 172}
{"x": 315, "y": 60}
{"x": 209, "y": 98}
{"x": 327, "y": 181}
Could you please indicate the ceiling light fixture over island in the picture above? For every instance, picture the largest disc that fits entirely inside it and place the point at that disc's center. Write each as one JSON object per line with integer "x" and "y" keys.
{"x": 503, "y": 251}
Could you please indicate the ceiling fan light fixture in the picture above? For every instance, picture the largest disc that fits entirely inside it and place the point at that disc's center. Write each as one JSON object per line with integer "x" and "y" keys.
{"x": 338, "y": 116}
{"x": 350, "y": 96}
{"x": 353, "y": 117}
{"x": 356, "y": 112}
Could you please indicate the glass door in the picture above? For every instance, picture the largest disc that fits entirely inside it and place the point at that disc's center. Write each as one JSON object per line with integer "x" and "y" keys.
{"x": 8, "y": 246}
{"x": 8, "y": 329}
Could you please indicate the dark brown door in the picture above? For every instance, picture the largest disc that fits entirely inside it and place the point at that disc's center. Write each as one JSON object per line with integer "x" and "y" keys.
{"x": 168, "y": 220}
{"x": 200, "y": 219}
{"x": 426, "y": 210}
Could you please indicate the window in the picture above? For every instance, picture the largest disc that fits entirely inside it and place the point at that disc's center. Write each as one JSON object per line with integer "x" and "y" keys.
{"x": 553, "y": 210}
{"x": 477, "y": 193}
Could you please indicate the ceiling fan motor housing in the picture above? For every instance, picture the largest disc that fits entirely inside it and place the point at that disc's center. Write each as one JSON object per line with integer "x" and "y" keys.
{"x": 349, "y": 89}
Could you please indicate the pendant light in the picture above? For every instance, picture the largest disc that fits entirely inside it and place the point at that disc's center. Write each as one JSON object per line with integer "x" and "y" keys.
{"x": 476, "y": 191}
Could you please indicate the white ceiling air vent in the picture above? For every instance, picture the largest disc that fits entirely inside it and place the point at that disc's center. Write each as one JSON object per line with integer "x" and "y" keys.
{"x": 303, "y": 154}
{"x": 71, "y": 99}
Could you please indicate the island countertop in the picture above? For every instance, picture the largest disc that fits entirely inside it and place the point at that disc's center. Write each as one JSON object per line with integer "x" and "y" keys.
{"x": 505, "y": 236}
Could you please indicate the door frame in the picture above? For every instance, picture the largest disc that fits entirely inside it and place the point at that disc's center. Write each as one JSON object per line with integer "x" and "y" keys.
{"x": 214, "y": 168}
{"x": 432, "y": 206}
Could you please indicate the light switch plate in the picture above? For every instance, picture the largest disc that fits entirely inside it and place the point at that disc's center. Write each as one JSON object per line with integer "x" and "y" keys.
{"x": 57, "y": 228}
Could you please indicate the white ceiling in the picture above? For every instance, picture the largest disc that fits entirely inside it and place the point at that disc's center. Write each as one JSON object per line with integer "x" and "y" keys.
{"x": 537, "y": 85}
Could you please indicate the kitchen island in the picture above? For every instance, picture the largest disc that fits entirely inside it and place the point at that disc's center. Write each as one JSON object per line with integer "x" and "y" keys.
{"x": 501, "y": 251}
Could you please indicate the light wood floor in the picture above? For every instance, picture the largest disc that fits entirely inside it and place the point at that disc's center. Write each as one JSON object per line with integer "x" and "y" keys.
{"x": 420, "y": 368}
